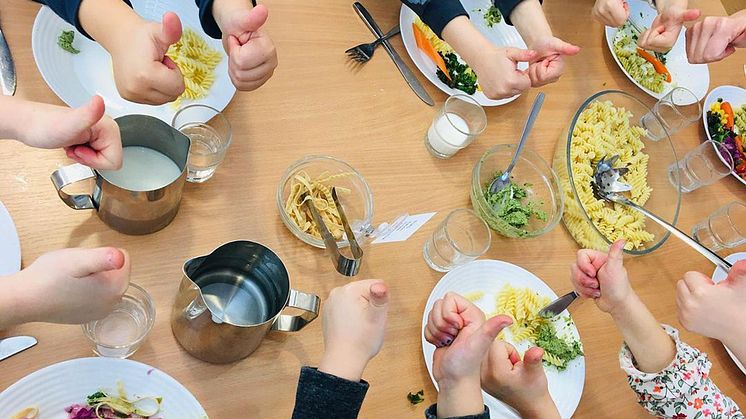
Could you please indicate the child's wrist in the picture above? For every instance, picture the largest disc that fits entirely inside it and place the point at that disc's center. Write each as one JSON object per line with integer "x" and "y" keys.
{"x": 223, "y": 9}
{"x": 543, "y": 408}
{"x": 620, "y": 311}
{"x": 343, "y": 363}
{"x": 460, "y": 396}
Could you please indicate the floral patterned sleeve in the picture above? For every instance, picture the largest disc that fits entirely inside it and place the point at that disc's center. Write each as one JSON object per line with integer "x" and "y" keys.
{"x": 683, "y": 389}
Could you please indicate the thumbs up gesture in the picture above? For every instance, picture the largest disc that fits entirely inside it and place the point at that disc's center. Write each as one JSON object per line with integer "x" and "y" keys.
{"x": 142, "y": 71}
{"x": 603, "y": 277}
{"x": 252, "y": 57}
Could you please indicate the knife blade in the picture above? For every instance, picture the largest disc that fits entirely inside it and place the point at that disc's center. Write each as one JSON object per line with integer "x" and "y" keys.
{"x": 15, "y": 344}
{"x": 7, "y": 68}
{"x": 559, "y": 305}
{"x": 410, "y": 78}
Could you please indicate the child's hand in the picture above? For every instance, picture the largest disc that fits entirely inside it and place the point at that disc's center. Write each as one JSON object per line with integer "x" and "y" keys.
{"x": 713, "y": 310}
{"x": 602, "y": 277}
{"x": 715, "y": 38}
{"x": 87, "y": 135}
{"x": 498, "y": 73}
{"x": 520, "y": 383}
{"x": 611, "y": 13}
{"x": 74, "y": 285}
{"x": 354, "y": 323}
{"x": 549, "y": 64}
{"x": 252, "y": 57}
{"x": 663, "y": 32}
{"x": 142, "y": 71}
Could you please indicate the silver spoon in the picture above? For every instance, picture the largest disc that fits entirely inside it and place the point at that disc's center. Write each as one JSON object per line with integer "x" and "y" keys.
{"x": 504, "y": 179}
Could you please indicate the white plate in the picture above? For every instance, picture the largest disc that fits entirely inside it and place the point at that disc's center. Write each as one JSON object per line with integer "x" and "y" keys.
{"x": 74, "y": 78}
{"x": 719, "y": 275}
{"x": 735, "y": 95}
{"x": 695, "y": 77}
{"x": 500, "y": 34}
{"x": 57, "y": 386}
{"x": 490, "y": 276}
{"x": 10, "y": 247}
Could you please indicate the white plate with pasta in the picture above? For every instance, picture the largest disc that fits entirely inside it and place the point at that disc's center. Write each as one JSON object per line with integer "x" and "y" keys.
{"x": 481, "y": 281}
{"x": 500, "y": 34}
{"x": 74, "y": 78}
{"x": 695, "y": 77}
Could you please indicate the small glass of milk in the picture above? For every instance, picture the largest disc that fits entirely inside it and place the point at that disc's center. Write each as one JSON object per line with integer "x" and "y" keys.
{"x": 456, "y": 124}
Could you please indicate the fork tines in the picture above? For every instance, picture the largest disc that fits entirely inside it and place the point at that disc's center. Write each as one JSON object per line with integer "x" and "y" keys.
{"x": 357, "y": 54}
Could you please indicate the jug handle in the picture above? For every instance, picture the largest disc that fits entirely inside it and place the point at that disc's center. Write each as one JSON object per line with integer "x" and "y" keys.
{"x": 68, "y": 175}
{"x": 309, "y": 303}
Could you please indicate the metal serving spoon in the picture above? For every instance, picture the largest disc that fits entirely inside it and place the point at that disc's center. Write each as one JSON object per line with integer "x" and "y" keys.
{"x": 504, "y": 179}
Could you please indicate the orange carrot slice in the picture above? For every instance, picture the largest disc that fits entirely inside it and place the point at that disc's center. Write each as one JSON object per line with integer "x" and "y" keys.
{"x": 659, "y": 67}
{"x": 424, "y": 45}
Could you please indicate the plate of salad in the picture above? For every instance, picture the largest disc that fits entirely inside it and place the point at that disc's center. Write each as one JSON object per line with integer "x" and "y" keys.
{"x": 724, "y": 119}
{"x": 437, "y": 61}
{"x": 654, "y": 73}
{"x": 483, "y": 282}
{"x": 93, "y": 388}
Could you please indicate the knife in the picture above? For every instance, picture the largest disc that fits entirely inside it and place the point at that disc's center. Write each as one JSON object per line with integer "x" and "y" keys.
{"x": 403, "y": 69}
{"x": 13, "y": 345}
{"x": 559, "y": 305}
{"x": 7, "y": 69}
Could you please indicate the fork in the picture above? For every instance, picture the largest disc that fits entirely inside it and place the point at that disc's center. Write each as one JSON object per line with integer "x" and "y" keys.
{"x": 364, "y": 52}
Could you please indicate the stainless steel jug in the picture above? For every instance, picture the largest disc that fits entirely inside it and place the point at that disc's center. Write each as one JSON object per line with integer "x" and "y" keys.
{"x": 230, "y": 299}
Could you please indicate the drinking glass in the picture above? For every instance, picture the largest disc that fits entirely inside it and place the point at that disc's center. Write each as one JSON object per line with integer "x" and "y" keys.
{"x": 724, "y": 228}
{"x": 459, "y": 239}
{"x": 456, "y": 124}
{"x": 121, "y": 333}
{"x": 210, "y": 134}
{"x": 703, "y": 165}
{"x": 675, "y": 111}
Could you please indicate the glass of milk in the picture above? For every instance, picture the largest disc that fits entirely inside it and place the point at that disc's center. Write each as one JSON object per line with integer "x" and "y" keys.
{"x": 210, "y": 134}
{"x": 456, "y": 124}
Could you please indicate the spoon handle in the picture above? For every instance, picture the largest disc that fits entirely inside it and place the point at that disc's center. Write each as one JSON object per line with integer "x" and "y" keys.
{"x": 709, "y": 254}
{"x": 527, "y": 129}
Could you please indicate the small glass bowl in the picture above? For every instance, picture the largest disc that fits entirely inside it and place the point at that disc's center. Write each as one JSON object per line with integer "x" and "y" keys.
{"x": 121, "y": 333}
{"x": 358, "y": 204}
{"x": 531, "y": 169}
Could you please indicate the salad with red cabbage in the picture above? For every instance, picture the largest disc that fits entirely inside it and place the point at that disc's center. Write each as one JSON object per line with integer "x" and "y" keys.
{"x": 727, "y": 126}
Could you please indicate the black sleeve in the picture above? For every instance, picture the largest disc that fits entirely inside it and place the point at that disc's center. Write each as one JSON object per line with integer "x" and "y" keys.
{"x": 68, "y": 11}
{"x": 207, "y": 20}
{"x": 506, "y": 8}
{"x": 322, "y": 395}
{"x": 432, "y": 413}
{"x": 436, "y": 13}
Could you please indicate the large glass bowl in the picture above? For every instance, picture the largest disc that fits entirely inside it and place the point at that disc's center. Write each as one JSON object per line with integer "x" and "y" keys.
{"x": 358, "y": 203}
{"x": 664, "y": 200}
{"x": 542, "y": 187}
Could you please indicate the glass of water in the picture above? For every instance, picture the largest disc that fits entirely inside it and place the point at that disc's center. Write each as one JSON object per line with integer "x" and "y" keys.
{"x": 459, "y": 239}
{"x": 704, "y": 165}
{"x": 674, "y": 111}
{"x": 458, "y": 122}
{"x": 121, "y": 333}
{"x": 210, "y": 133}
{"x": 724, "y": 228}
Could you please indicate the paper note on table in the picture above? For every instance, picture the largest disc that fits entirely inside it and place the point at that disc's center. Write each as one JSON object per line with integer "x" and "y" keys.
{"x": 402, "y": 228}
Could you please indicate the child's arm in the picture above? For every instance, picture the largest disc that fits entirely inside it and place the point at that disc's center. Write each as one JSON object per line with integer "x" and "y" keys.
{"x": 611, "y": 13}
{"x": 664, "y": 31}
{"x": 715, "y": 38}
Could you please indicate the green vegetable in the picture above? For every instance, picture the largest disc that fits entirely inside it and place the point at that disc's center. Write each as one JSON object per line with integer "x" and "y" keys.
{"x": 564, "y": 349}
{"x": 416, "y": 398}
{"x": 513, "y": 206}
{"x": 65, "y": 41}
{"x": 462, "y": 76}
{"x": 492, "y": 16}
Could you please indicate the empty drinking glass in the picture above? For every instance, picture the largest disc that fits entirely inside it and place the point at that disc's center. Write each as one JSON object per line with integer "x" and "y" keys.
{"x": 675, "y": 111}
{"x": 121, "y": 333}
{"x": 460, "y": 238}
{"x": 703, "y": 165}
{"x": 456, "y": 124}
{"x": 210, "y": 133}
{"x": 724, "y": 228}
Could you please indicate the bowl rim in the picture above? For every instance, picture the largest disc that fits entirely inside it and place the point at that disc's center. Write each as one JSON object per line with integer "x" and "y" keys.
{"x": 558, "y": 195}
{"x": 305, "y": 237}
{"x": 568, "y": 162}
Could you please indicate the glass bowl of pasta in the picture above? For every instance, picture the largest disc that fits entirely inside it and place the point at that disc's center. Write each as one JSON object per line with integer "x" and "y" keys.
{"x": 316, "y": 176}
{"x": 529, "y": 206}
{"x": 606, "y": 124}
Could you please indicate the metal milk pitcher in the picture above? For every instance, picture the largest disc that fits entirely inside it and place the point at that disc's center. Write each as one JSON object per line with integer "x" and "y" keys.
{"x": 147, "y": 198}
{"x": 230, "y": 299}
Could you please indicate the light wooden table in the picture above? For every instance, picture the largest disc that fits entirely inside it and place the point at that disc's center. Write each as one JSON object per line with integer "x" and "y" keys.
{"x": 316, "y": 104}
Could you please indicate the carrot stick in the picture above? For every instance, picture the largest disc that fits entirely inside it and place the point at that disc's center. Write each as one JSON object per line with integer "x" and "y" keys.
{"x": 424, "y": 45}
{"x": 725, "y": 106}
{"x": 659, "y": 67}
